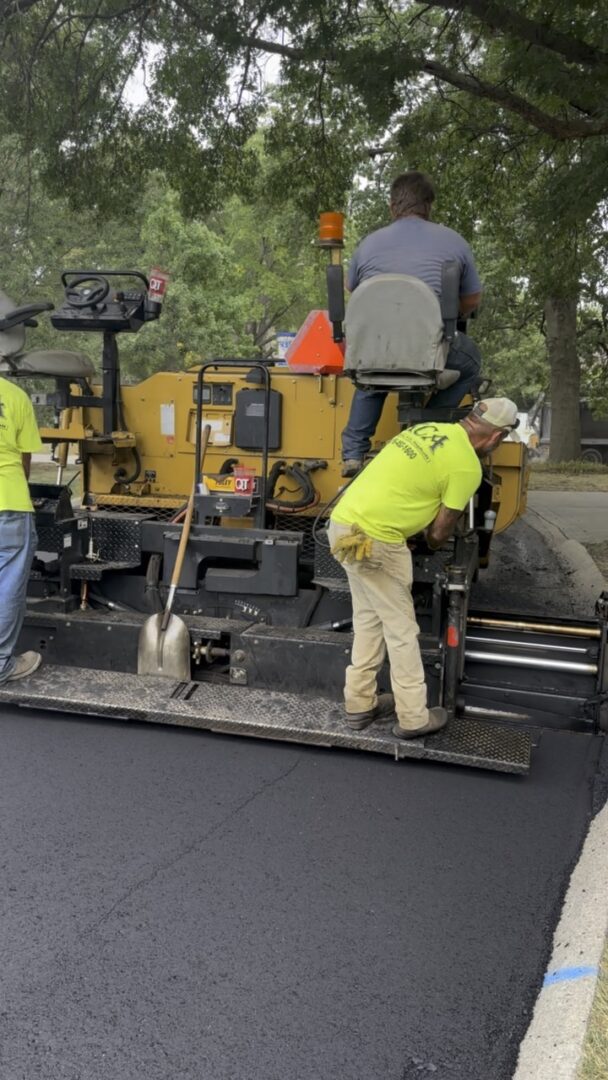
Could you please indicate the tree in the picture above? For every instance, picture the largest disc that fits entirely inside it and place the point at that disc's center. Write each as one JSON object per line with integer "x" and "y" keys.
{"x": 544, "y": 74}
{"x": 524, "y": 88}
{"x": 236, "y": 277}
{"x": 534, "y": 215}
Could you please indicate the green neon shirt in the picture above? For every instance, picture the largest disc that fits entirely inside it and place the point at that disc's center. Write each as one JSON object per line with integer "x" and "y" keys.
{"x": 399, "y": 493}
{"x": 18, "y": 435}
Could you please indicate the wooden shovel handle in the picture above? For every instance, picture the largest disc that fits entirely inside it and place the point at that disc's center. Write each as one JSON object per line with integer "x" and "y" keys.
{"x": 183, "y": 540}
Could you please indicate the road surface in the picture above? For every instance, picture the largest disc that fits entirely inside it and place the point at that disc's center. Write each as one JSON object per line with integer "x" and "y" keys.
{"x": 183, "y": 906}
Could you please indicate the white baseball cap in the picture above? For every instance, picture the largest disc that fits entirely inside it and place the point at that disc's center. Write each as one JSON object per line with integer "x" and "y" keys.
{"x": 500, "y": 412}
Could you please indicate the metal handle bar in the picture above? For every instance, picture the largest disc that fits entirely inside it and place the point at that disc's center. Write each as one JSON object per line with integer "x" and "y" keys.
{"x": 104, "y": 273}
{"x": 246, "y": 365}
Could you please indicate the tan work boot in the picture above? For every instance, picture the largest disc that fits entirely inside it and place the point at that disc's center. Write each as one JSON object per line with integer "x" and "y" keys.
{"x": 25, "y": 665}
{"x": 438, "y": 718}
{"x": 385, "y": 709}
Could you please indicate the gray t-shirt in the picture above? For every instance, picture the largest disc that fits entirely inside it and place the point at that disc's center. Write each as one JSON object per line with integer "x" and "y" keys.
{"x": 413, "y": 246}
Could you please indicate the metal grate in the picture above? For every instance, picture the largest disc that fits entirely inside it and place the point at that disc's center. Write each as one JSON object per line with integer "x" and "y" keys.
{"x": 328, "y": 569}
{"x": 94, "y": 571}
{"x": 483, "y": 740}
{"x": 298, "y": 523}
{"x": 50, "y": 538}
{"x": 155, "y": 513}
{"x": 116, "y": 538}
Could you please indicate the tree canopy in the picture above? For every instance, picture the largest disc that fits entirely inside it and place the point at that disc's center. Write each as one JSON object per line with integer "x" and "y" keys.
{"x": 351, "y": 74}
{"x": 237, "y": 276}
{"x": 250, "y": 117}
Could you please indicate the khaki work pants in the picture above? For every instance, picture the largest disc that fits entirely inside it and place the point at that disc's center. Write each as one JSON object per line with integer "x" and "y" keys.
{"x": 384, "y": 619}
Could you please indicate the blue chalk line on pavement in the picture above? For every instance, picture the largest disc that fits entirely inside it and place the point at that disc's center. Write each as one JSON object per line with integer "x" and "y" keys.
{"x": 569, "y": 974}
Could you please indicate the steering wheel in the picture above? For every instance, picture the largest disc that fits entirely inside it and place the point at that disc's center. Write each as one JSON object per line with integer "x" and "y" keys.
{"x": 77, "y": 297}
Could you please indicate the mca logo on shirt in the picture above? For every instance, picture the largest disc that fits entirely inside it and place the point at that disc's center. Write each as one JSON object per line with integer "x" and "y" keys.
{"x": 430, "y": 434}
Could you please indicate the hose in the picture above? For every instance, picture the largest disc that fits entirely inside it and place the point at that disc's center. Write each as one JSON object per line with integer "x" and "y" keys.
{"x": 313, "y": 605}
{"x": 301, "y": 475}
{"x": 119, "y": 476}
{"x": 328, "y": 505}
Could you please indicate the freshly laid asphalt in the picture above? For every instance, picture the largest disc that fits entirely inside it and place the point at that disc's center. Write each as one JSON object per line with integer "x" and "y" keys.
{"x": 183, "y": 906}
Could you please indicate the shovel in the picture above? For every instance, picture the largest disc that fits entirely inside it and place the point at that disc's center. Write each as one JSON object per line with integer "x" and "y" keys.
{"x": 164, "y": 640}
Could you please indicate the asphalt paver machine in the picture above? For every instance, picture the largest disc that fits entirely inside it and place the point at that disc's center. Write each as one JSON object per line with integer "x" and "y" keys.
{"x": 266, "y": 606}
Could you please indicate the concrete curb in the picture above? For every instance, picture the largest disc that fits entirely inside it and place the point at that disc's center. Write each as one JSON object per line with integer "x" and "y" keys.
{"x": 584, "y": 575}
{"x": 553, "y": 1046}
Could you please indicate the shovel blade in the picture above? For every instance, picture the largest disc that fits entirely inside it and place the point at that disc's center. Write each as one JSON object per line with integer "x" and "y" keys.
{"x": 167, "y": 653}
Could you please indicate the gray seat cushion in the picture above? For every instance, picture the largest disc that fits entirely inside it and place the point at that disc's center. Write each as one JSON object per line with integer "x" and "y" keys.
{"x": 394, "y": 324}
{"x": 49, "y": 362}
{"x": 438, "y": 379}
{"x": 11, "y": 341}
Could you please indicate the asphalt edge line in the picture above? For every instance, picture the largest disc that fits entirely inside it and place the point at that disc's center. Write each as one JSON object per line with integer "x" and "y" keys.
{"x": 552, "y": 1048}
{"x": 584, "y": 574}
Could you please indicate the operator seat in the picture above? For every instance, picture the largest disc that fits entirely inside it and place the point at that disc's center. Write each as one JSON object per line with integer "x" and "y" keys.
{"x": 57, "y": 363}
{"x": 398, "y": 332}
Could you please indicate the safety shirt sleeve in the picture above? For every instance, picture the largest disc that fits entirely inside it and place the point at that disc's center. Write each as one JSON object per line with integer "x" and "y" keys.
{"x": 27, "y": 435}
{"x": 460, "y": 486}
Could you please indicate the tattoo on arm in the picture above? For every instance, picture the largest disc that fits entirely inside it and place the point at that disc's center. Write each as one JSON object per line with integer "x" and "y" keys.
{"x": 442, "y": 527}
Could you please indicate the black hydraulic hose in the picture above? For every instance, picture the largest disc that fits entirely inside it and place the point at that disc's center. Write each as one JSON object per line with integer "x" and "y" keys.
{"x": 119, "y": 476}
{"x": 313, "y": 605}
{"x": 305, "y": 483}
{"x": 328, "y": 505}
{"x": 120, "y": 479}
{"x": 273, "y": 476}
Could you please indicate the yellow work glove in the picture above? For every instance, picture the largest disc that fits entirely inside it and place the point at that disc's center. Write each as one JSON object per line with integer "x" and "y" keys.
{"x": 353, "y": 546}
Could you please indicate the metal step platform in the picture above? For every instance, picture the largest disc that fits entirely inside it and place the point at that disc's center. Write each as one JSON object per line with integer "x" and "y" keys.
{"x": 237, "y": 710}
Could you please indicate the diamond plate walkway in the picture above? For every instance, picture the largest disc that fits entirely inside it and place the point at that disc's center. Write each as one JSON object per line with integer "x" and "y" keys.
{"x": 241, "y": 711}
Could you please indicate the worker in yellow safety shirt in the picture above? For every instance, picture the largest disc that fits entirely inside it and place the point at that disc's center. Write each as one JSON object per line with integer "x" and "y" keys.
{"x": 422, "y": 480}
{"x": 19, "y": 439}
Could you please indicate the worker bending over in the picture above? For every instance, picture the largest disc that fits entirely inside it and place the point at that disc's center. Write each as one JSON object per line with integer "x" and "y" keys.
{"x": 422, "y": 479}
{"x": 419, "y": 247}
{"x": 19, "y": 439}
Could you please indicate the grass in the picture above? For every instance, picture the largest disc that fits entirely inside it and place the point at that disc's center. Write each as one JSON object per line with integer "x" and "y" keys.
{"x": 568, "y": 476}
{"x": 570, "y": 468}
{"x": 595, "y": 1053}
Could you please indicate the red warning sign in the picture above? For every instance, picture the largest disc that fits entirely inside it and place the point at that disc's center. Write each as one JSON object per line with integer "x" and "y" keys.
{"x": 158, "y": 285}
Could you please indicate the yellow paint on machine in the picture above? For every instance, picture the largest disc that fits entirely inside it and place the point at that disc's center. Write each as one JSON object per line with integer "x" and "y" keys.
{"x": 160, "y": 413}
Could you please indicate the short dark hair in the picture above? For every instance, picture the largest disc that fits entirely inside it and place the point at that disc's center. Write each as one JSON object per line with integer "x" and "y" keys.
{"x": 412, "y": 193}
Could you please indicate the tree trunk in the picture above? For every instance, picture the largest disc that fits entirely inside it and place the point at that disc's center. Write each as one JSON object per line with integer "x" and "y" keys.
{"x": 560, "y": 319}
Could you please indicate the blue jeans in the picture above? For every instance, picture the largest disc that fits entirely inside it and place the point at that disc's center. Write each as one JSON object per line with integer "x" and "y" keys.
{"x": 17, "y": 549}
{"x": 366, "y": 407}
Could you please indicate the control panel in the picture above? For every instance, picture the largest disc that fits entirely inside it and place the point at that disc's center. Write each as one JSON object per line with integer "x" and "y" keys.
{"x": 91, "y": 304}
{"x": 215, "y": 393}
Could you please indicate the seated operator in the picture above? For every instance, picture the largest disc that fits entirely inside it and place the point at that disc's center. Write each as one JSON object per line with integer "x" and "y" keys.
{"x": 19, "y": 438}
{"x": 412, "y": 244}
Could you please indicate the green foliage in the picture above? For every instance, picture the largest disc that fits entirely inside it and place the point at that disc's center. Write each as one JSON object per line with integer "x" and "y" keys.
{"x": 506, "y": 104}
{"x": 350, "y": 74}
{"x": 237, "y": 276}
